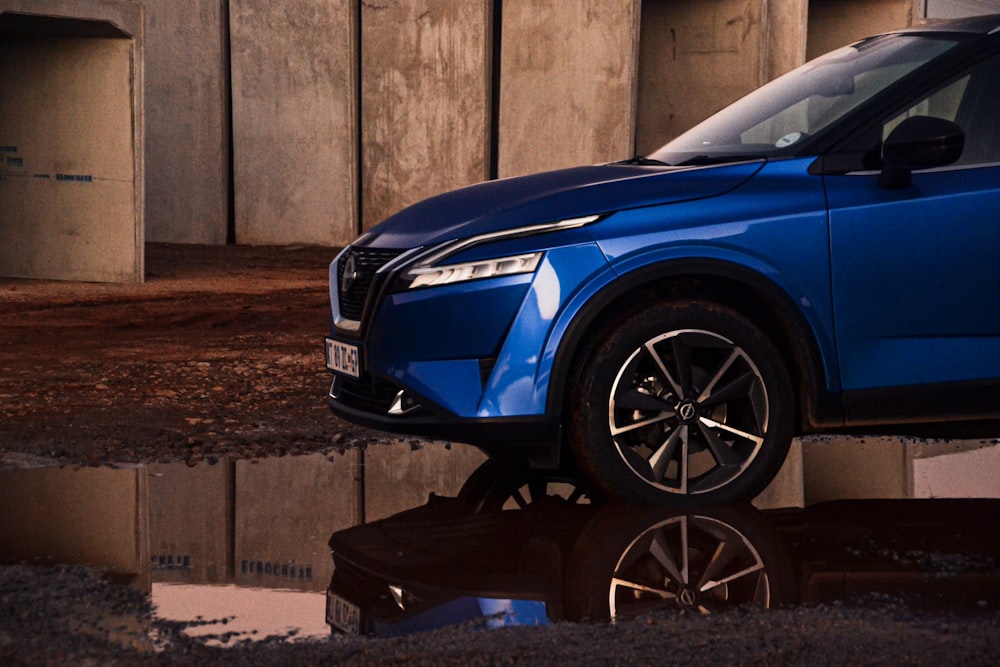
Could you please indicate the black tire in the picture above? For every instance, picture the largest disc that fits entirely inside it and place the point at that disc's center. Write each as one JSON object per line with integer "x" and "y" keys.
{"x": 681, "y": 404}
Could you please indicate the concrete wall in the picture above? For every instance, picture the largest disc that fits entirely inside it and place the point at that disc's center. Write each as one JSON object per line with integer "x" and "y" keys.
{"x": 286, "y": 510}
{"x": 696, "y": 57}
{"x": 952, "y": 9}
{"x": 190, "y": 523}
{"x": 187, "y": 122}
{"x": 836, "y": 467}
{"x": 785, "y": 29}
{"x": 567, "y": 83}
{"x": 71, "y": 180}
{"x": 836, "y": 23}
{"x": 91, "y": 516}
{"x": 425, "y": 101}
{"x": 294, "y": 99}
{"x": 581, "y": 81}
{"x": 398, "y": 479}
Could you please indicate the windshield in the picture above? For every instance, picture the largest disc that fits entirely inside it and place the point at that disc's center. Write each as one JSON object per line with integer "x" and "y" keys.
{"x": 777, "y": 118}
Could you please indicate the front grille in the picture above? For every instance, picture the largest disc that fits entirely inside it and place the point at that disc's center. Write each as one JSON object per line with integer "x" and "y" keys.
{"x": 366, "y": 262}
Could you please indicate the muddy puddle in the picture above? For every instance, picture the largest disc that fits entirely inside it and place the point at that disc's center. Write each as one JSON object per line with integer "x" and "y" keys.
{"x": 430, "y": 535}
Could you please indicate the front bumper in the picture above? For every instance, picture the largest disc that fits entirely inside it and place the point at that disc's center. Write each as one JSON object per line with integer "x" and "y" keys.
{"x": 468, "y": 362}
{"x": 368, "y": 402}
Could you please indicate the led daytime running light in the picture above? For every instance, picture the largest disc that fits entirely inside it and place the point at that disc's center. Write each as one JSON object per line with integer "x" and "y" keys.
{"x": 431, "y": 276}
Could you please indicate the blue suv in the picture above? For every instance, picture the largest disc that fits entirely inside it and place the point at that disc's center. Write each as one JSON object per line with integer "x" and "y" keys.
{"x": 823, "y": 254}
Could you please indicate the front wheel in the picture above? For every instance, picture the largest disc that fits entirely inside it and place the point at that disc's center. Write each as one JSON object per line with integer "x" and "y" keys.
{"x": 682, "y": 403}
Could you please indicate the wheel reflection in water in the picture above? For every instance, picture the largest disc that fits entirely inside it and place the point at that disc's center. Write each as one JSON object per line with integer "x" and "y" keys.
{"x": 688, "y": 562}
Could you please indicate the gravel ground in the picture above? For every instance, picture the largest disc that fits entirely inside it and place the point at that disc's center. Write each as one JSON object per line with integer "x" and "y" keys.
{"x": 219, "y": 354}
{"x": 57, "y": 616}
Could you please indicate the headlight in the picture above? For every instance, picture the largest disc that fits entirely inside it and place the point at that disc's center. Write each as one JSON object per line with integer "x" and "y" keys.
{"x": 429, "y": 276}
{"x": 429, "y": 272}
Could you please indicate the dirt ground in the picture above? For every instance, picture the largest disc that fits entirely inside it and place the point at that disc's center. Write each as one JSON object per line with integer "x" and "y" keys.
{"x": 218, "y": 353}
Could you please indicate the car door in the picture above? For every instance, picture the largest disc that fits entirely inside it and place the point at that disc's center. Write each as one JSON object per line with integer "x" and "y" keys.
{"x": 915, "y": 272}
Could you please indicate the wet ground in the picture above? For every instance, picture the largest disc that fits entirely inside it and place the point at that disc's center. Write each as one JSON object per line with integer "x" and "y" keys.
{"x": 434, "y": 542}
{"x": 172, "y": 484}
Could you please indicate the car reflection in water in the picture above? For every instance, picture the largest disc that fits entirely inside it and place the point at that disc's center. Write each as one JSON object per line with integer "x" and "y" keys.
{"x": 519, "y": 547}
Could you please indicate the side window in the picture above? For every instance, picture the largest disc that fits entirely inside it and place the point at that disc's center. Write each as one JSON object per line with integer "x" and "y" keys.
{"x": 973, "y": 102}
{"x": 942, "y": 104}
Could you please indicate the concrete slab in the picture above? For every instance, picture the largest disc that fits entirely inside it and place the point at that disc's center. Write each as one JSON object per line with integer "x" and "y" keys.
{"x": 696, "y": 58}
{"x": 838, "y": 467}
{"x": 89, "y": 516}
{"x": 567, "y": 83}
{"x": 836, "y": 23}
{"x": 71, "y": 176}
{"x": 294, "y": 101}
{"x": 425, "y": 101}
{"x": 956, "y": 469}
{"x": 787, "y": 488}
{"x": 285, "y": 510}
{"x": 187, "y": 122}
{"x": 190, "y": 522}
{"x": 397, "y": 479}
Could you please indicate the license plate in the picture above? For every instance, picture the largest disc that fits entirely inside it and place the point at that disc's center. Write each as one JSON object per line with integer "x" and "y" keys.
{"x": 343, "y": 358}
{"x": 343, "y": 614}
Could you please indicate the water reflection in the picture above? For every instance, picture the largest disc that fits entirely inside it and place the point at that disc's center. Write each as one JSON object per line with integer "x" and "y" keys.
{"x": 425, "y": 535}
{"x": 534, "y": 543}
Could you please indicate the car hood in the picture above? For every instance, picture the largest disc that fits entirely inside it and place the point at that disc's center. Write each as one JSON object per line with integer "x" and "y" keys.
{"x": 548, "y": 197}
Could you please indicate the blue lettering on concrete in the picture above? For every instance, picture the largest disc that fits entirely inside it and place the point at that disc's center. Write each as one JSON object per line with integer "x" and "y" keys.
{"x": 287, "y": 570}
{"x": 171, "y": 561}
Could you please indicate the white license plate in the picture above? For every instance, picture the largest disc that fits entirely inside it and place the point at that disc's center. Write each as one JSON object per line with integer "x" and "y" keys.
{"x": 343, "y": 358}
{"x": 342, "y": 614}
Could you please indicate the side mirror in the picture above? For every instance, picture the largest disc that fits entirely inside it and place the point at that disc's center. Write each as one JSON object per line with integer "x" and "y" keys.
{"x": 919, "y": 142}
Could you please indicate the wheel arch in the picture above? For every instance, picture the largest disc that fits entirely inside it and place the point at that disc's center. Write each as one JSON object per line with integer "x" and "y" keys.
{"x": 740, "y": 288}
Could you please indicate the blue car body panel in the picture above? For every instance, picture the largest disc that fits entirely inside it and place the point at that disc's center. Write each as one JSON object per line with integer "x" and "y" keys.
{"x": 567, "y": 193}
{"x": 916, "y": 277}
{"x": 519, "y": 384}
{"x": 775, "y": 225}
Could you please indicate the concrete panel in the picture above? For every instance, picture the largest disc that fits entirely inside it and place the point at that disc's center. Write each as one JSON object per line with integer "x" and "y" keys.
{"x": 956, "y": 469}
{"x": 425, "y": 100}
{"x": 785, "y": 33}
{"x": 91, "y": 516}
{"x": 125, "y": 16}
{"x": 836, "y": 467}
{"x": 899, "y": 467}
{"x": 187, "y": 122}
{"x": 398, "y": 478}
{"x": 71, "y": 187}
{"x": 294, "y": 133}
{"x": 953, "y": 9}
{"x": 836, "y": 23}
{"x": 286, "y": 510}
{"x": 190, "y": 523}
{"x": 567, "y": 83}
{"x": 786, "y": 489}
{"x": 697, "y": 57}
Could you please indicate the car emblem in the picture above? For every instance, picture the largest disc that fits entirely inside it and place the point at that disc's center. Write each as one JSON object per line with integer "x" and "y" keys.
{"x": 350, "y": 275}
{"x": 687, "y": 411}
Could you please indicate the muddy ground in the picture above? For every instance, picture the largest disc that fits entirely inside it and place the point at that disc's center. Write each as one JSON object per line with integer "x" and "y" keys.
{"x": 219, "y": 354}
